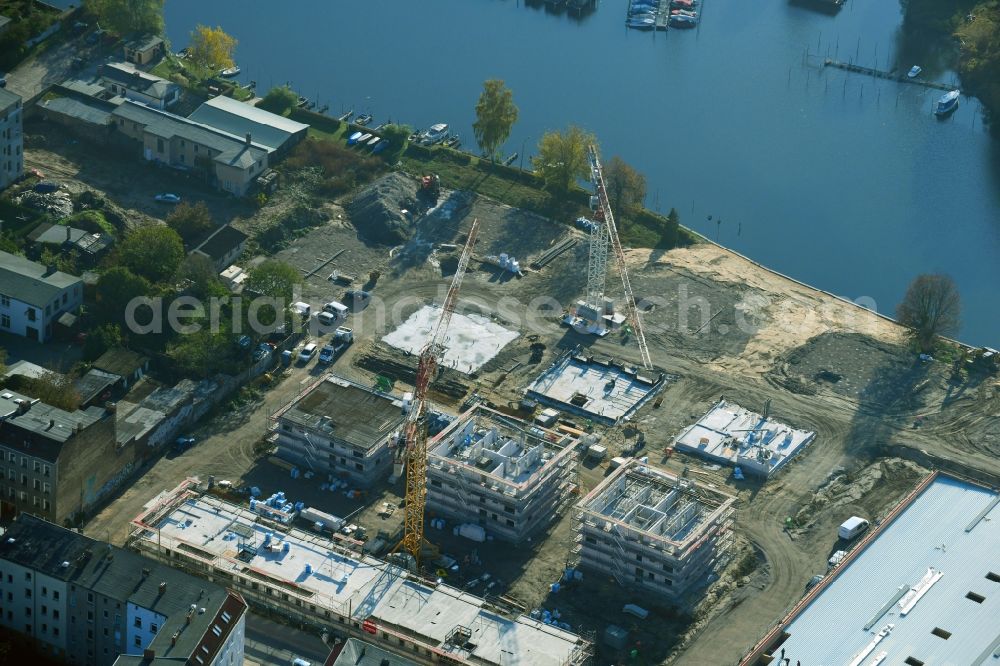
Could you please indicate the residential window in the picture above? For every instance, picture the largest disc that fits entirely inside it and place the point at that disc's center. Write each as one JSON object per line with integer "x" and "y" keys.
{"x": 152, "y": 628}
{"x": 55, "y": 593}
{"x": 159, "y": 145}
{"x": 27, "y": 593}
{"x": 32, "y": 315}
{"x": 45, "y": 470}
{"x": 138, "y": 623}
{"x": 64, "y": 299}
{"x": 5, "y": 321}
{"x": 138, "y": 642}
{"x": 45, "y": 505}
{"x": 5, "y": 300}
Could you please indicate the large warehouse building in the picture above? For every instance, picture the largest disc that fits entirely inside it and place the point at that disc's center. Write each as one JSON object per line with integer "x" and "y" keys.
{"x": 924, "y": 588}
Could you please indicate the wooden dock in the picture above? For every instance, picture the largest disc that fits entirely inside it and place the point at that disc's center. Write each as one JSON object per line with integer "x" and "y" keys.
{"x": 890, "y": 76}
{"x": 663, "y": 15}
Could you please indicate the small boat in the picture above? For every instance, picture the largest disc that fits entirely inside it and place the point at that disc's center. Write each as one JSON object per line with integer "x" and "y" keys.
{"x": 436, "y": 134}
{"x": 364, "y": 139}
{"x": 683, "y": 22}
{"x": 452, "y": 141}
{"x": 378, "y": 127}
{"x": 380, "y": 146}
{"x": 230, "y": 72}
{"x": 641, "y": 24}
{"x": 683, "y": 4}
{"x": 363, "y": 120}
{"x": 683, "y": 12}
{"x": 914, "y": 72}
{"x": 372, "y": 141}
{"x": 347, "y": 116}
{"x": 947, "y": 103}
{"x": 353, "y": 139}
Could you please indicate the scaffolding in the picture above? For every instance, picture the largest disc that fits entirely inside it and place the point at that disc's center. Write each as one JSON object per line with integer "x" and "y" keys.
{"x": 670, "y": 531}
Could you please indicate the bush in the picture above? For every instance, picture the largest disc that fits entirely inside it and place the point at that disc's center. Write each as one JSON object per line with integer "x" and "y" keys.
{"x": 341, "y": 165}
{"x": 280, "y": 100}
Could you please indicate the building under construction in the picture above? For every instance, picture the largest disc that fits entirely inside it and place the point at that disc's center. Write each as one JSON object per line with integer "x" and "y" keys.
{"x": 327, "y": 585}
{"x": 506, "y": 475}
{"x": 340, "y": 428}
{"x": 654, "y": 532}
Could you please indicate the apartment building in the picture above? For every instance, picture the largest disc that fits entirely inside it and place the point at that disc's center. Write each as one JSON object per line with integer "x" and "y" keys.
{"x": 55, "y": 463}
{"x": 504, "y": 474}
{"x": 326, "y": 585}
{"x": 654, "y": 532}
{"x": 33, "y": 296}
{"x": 88, "y": 602}
{"x": 11, "y": 138}
{"x": 340, "y": 428}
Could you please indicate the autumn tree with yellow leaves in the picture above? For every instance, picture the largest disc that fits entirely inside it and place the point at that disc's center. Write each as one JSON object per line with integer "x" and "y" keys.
{"x": 212, "y": 48}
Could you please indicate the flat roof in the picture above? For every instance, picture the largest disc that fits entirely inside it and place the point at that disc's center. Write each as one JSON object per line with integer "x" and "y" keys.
{"x": 597, "y": 388}
{"x": 361, "y": 653}
{"x": 52, "y": 423}
{"x": 347, "y": 411}
{"x": 361, "y": 587}
{"x": 93, "y": 111}
{"x": 929, "y": 580}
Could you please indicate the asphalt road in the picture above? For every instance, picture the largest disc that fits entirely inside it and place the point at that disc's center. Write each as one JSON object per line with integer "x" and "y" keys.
{"x": 269, "y": 643}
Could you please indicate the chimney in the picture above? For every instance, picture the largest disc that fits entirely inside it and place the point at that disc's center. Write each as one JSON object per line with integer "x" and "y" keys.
{"x": 52, "y": 424}
{"x": 249, "y": 139}
{"x": 163, "y": 588}
{"x": 173, "y": 638}
{"x": 49, "y": 270}
{"x": 67, "y": 233}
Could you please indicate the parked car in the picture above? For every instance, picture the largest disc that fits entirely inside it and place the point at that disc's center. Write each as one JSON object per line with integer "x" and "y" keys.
{"x": 167, "y": 197}
{"x": 308, "y": 352}
{"x": 327, "y": 354}
{"x": 326, "y": 318}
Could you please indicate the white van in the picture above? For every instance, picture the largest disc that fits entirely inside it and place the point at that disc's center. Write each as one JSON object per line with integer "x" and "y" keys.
{"x": 852, "y": 527}
{"x": 337, "y": 309}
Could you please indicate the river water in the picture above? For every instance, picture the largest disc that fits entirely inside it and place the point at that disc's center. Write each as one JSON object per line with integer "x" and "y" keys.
{"x": 836, "y": 179}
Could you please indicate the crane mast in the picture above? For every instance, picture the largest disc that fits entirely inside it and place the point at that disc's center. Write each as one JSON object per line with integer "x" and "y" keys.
{"x": 415, "y": 454}
{"x": 606, "y": 219}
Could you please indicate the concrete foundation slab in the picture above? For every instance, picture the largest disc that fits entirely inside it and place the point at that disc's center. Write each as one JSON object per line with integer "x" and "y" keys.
{"x": 471, "y": 341}
{"x": 599, "y": 390}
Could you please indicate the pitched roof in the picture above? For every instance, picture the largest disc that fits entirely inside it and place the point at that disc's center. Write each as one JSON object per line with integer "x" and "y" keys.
{"x": 120, "y": 361}
{"x": 94, "y": 111}
{"x": 144, "y": 42}
{"x": 27, "y": 280}
{"x": 55, "y": 234}
{"x": 219, "y": 244}
{"x": 8, "y": 98}
{"x": 126, "y": 74}
{"x": 126, "y": 576}
{"x": 232, "y": 149}
{"x": 361, "y": 653}
{"x": 230, "y": 115}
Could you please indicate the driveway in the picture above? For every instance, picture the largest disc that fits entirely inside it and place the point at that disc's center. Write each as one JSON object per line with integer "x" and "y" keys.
{"x": 54, "y": 65}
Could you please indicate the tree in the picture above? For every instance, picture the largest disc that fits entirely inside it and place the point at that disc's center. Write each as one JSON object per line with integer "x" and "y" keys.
{"x": 202, "y": 353}
{"x": 204, "y": 279}
{"x": 625, "y": 186}
{"x": 562, "y": 157}
{"x": 125, "y": 16}
{"x": 931, "y": 307}
{"x": 190, "y": 221}
{"x": 280, "y": 100}
{"x": 212, "y": 48}
{"x": 53, "y": 389}
{"x": 495, "y": 116}
{"x": 396, "y": 135}
{"x": 101, "y": 339}
{"x": 115, "y": 289}
{"x": 153, "y": 251}
{"x": 274, "y": 279}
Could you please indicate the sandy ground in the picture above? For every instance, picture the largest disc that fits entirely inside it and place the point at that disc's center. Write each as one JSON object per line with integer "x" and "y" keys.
{"x": 825, "y": 366}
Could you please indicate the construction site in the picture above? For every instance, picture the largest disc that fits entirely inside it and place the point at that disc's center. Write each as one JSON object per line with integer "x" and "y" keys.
{"x": 656, "y": 533}
{"x": 321, "y": 581}
{"x": 504, "y": 475}
{"x": 450, "y": 330}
